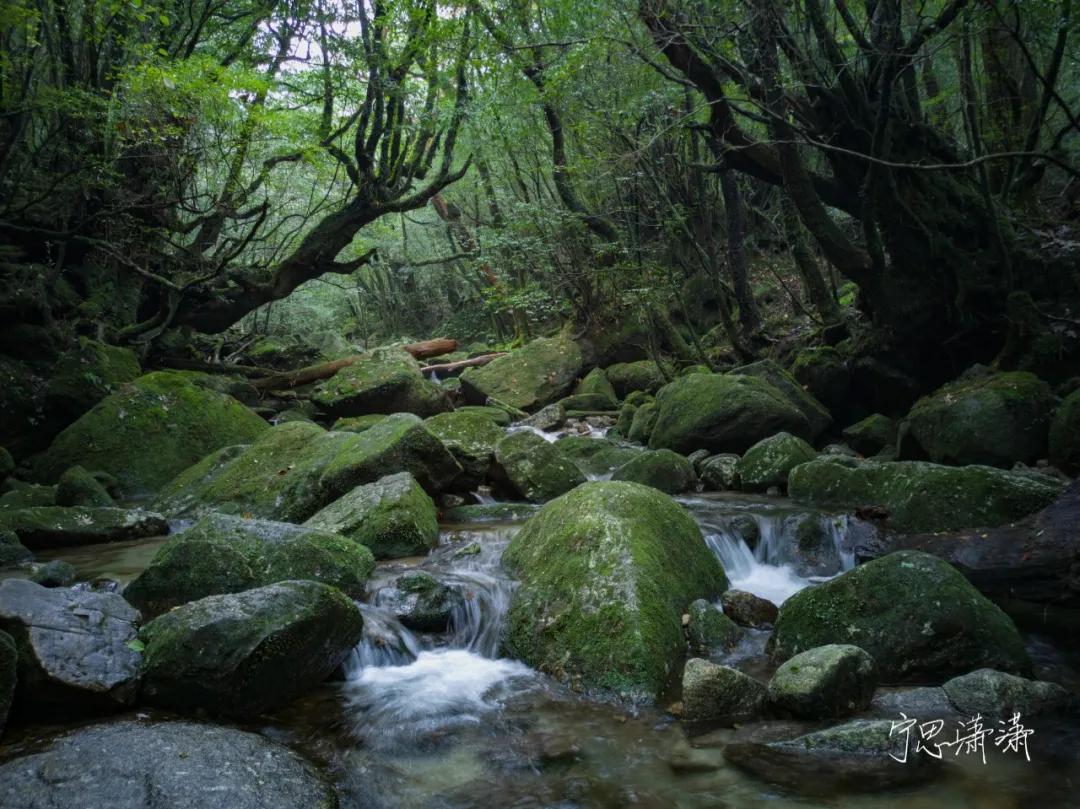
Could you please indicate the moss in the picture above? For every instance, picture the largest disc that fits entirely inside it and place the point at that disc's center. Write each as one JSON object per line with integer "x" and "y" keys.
{"x": 500, "y": 417}
{"x": 721, "y": 473}
{"x": 923, "y": 497}
{"x": 824, "y": 374}
{"x": 357, "y": 424}
{"x": 56, "y": 573}
{"x": 77, "y": 487}
{"x": 58, "y": 527}
{"x": 86, "y": 375}
{"x": 598, "y": 389}
{"x": 769, "y": 462}
{"x": 471, "y": 439}
{"x": 722, "y": 413}
{"x": 630, "y": 377}
{"x": 536, "y": 468}
{"x": 588, "y": 402}
{"x": 638, "y": 398}
{"x": 527, "y": 378}
{"x": 595, "y": 456}
{"x": 873, "y": 434}
{"x": 388, "y": 381}
{"x": 393, "y": 517}
{"x": 221, "y": 554}
{"x": 661, "y": 469}
{"x": 1064, "y": 435}
{"x": 916, "y": 615}
{"x": 709, "y": 630}
{"x": 817, "y": 416}
{"x": 149, "y": 431}
{"x": 606, "y": 572}
{"x": 624, "y": 422}
{"x": 183, "y": 494}
{"x": 490, "y": 513}
{"x": 996, "y": 420}
{"x": 28, "y": 497}
{"x": 643, "y": 423}
{"x": 12, "y": 551}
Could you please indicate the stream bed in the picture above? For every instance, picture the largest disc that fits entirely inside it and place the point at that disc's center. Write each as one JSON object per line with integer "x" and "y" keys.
{"x": 439, "y": 721}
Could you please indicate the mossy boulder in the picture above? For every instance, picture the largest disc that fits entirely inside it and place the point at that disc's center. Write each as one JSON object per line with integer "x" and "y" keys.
{"x": 993, "y": 420}
{"x": 722, "y": 413}
{"x": 595, "y": 456}
{"x": 826, "y": 682}
{"x": 494, "y": 512}
{"x": 56, "y": 573}
{"x": 77, "y": 487}
{"x": 58, "y": 527}
{"x": 628, "y": 377}
{"x": 871, "y": 435}
{"x": 624, "y": 422}
{"x": 12, "y": 552}
{"x": 720, "y": 473}
{"x": 221, "y": 554}
{"x": 916, "y": 616}
{"x": 357, "y": 424}
{"x": 296, "y": 469}
{"x": 714, "y": 693}
{"x": 551, "y": 417}
{"x": 661, "y": 469}
{"x": 392, "y": 517}
{"x": 594, "y": 392}
{"x": 769, "y": 462}
{"x": 709, "y": 630}
{"x": 527, "y": 378}
{"x": 7, "y": 464}
{"x": 282, "y": 353}
{"x": 85, "y": 375}
{"x": 1064, "y": 436}
{"x": 497, "y": 415}
{"x": 643, "y": 423}
{"x": 149, "y": 431}
{"x": 992, "y": 693}
{"x": 471, "y": 439}
{"x": 27, "y": 496}
{"x": 535, "y": 468}
{"x": 817, "y": 415}
{"x": 923, "y": 497}
{"x": 386, "y": 381}
{"x": 606, "y": 572}
{"x": 825, "y": 374}
{"x": 423, "y": 603}
{"x": 245, "y": 653}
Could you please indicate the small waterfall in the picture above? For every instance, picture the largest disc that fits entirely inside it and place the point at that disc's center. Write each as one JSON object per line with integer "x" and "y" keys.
{"x": 484, "y": 499}
{"x": 435, "y": 378}
{"x": 385, "y": 643}
{"x": 524, "y": 428}
{"x": 745, "y": 571}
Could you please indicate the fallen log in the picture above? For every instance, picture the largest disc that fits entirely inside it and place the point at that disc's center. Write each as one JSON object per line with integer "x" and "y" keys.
{"x": 216, "y": 368}
{"x": 313, "y": 373}
{"x": 426, "y": 349}
{"x": 450, "y": 367}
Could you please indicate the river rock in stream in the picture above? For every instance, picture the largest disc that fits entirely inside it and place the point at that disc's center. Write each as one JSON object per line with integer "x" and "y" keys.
{"x": 607, "y": 572}
{"x": 917, "y": 616}
{"x": 242, "y": 654}
{"x": 535, "y": 468}
{"x": 130, "y": 764}
{"x": 59, "y": 527}
{"x": 527, "y": 378}
{"x": 222, "y": 554}
{"x": 387, "y": 381}
{"x": 661, "y": 469}
{"x": 769, "y": 462}
{"x": 827, "y": 682}
{"x": 77, "y": 649}
{"x": 471, "y": 439}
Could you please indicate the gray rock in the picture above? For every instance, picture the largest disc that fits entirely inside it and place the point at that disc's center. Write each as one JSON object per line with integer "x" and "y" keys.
{"x": 59, "y": 527}
{"x": 748, "y": 609}
{"x": 922, "y": 702}
{"x": 992, "y": 693}
{"x": 551, "y": 417}
{"x": 422, "y": 602}
{"x": 56, "y": 573}
{"x": 246, "y": 653}
{"x": 710, "y": 630}
{"x": 712, "y": 692}
{"x": 173, "y": 765}
{"x": 720, "y": 473}
{"x": 824, "y": 683}
{"x": 76, "y": 648}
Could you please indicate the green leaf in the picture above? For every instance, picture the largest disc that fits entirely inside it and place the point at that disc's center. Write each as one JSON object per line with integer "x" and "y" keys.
{"x": 136, "y": 645}
{"x": 164, "y": 19}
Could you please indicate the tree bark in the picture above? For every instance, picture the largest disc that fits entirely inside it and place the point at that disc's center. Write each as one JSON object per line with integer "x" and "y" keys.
{"x": 450, "y": 367}
{"x": 749, "y": 317}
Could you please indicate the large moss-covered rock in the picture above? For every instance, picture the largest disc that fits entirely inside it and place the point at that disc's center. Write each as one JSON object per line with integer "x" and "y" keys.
{"x": 77, "y": 487}
{"x": 58, "y": 527}
{"x": 825, "y": 682}
{"x": 528, "y": 378}
{"x": 994, "y": 420}
{"x": 722, "y": 413}
{"x": 595, "y": 456}
{"x": 357, "y": 424}
{"x": 606, "y": 572}
{"x": 149, "y": 431}
{"x": 871, "y": 435}
{"x": 1064, "y": 436}
{"x": 551, "y": 417}
{"x": 535, "y": 468}
{"x": 76, "y": 648}
{"x": 817, "y": 416}
{"x": 471, "y": 439}
{"x": 12, "y": 552}
{"x": 643, "y": 423}
{"x": 56, "y": 573}
{"x": 624, "y": 422}
{"x": 86, "y": 375}
{"x": 136, "y": 764}
{"x": 25, "y": 495}
{"x": 824, "y": 374}
{"x": 923, "y": 497}
{"x": 245, "y": 653}
{"x": 497, "y": 415}
{"x": 594, "y": 392}
{"x": 393, "y": 517}
{"x": 661, "y": 469}
{"x": 916, "y": 615}
{"x": 386, "y": 381}
{"x": 992, "y": 693}
{"x": 719, "y": 693}
{"x": 221, "y": 554}
{"x": 627, "y": 377}
{"x": 769, "y": 462}
{"x": 296, "y": 469}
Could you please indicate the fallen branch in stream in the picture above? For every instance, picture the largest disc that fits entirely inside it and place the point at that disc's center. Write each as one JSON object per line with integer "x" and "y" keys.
{"x": 450, "y": 367}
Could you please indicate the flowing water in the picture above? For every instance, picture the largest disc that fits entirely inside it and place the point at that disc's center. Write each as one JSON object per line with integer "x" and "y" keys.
{"x": 440, "y": 721}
